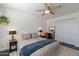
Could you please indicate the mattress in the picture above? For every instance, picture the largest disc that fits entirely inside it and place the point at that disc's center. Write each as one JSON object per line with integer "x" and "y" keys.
{"x": 29, "y": 41}
{"x": 48, "y": 50}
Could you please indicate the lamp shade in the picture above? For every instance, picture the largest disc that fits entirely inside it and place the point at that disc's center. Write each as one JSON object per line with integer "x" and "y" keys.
{"x": 12, "y": 32}
{"x": 40, "y": 31}
{"x": 52, "y": 30}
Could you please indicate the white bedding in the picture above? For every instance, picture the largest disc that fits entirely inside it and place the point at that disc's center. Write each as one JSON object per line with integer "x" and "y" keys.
{"x": 29, "y": 41}
{"x": 48, "y": 50}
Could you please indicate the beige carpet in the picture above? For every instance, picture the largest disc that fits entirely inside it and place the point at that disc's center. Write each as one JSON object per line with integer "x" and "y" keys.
{"x": 66, "y": 51}
{"x": 63, "y": 51}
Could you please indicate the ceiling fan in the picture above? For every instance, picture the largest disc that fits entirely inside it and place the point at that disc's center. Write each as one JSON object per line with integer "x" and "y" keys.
{"x": 48, "y": 9}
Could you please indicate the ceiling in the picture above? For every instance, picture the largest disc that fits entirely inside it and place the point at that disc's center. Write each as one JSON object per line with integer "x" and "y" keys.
{"x": 29, "y": 8}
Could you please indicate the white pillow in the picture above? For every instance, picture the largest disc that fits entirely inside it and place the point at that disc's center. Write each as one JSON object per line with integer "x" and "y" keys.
{"x": 26, "y": 36}
{"x": 34, "y": 35}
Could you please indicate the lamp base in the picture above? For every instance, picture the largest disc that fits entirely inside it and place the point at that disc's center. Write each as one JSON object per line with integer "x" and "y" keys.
{"x": 12, "y": 40}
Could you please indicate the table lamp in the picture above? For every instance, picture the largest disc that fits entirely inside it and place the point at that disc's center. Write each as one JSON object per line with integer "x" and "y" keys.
{"x": 12, "y": 34}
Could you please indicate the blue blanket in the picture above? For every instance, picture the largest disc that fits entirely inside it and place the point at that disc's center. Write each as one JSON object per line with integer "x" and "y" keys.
{"x": 29, "y": 49}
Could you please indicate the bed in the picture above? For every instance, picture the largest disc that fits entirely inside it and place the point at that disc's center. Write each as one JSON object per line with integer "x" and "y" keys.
{"x": 48, "y": 50}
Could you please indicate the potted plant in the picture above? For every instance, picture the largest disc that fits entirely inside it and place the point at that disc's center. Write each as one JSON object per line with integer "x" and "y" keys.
{"x": 4, "y": 19}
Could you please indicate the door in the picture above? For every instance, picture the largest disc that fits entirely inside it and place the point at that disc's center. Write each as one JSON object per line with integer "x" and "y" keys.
{"x": 76, "y": 41}
{"x": 69, "y": 31}
{"x": 59, "y": 31}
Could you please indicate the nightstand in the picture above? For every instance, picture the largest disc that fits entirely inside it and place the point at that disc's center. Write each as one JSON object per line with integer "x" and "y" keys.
{"x": 48, "y": 35}
{"x": 13, "y": 45}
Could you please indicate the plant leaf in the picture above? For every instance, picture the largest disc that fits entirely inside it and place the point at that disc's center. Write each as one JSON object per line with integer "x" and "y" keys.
{"x": 4, "y": 20}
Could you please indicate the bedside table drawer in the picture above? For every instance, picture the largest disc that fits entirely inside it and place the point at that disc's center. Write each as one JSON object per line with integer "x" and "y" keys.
{"x": 12, "y": 45}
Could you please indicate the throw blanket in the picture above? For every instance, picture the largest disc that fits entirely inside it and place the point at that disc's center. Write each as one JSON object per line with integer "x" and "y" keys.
{"x": 29, "y": 49}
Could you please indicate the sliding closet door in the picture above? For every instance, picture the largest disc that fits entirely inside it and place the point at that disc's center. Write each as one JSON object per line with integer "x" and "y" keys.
{"x": 59, "y": 31}
{"x": 69, "y": 31}
{"x": 76, "y": 41}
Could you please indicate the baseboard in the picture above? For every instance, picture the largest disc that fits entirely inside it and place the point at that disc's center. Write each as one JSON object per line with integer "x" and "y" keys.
{"x": 4, "y": 53}
{"x": 69, "y": 45}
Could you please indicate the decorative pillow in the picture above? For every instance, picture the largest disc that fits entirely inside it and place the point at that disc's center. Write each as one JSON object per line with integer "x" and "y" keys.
{"x": 26, "y": 36}
{"x": 34, "y": 35}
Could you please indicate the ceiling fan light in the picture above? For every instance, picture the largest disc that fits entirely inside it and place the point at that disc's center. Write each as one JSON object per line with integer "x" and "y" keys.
{"x": 47, "y": 11}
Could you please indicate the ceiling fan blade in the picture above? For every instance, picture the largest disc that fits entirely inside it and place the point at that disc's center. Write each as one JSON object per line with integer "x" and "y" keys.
{"x": 57, "y": 7}
{"x": 51, "y": 9}
{"x": 43, "y": 14}
{"x": 52, "y": 12}
{"x": 40, "y": 10}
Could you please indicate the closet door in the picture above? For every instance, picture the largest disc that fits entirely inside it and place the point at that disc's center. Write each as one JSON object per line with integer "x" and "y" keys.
{"x": 70, "y": 31}
{"x": 59, "y": 31}
{"x": 76, "y": 41}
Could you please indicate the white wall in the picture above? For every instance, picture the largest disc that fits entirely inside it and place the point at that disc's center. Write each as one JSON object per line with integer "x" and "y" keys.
{"x": 52, "y": 21}
{"x": 22, "y": 22}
